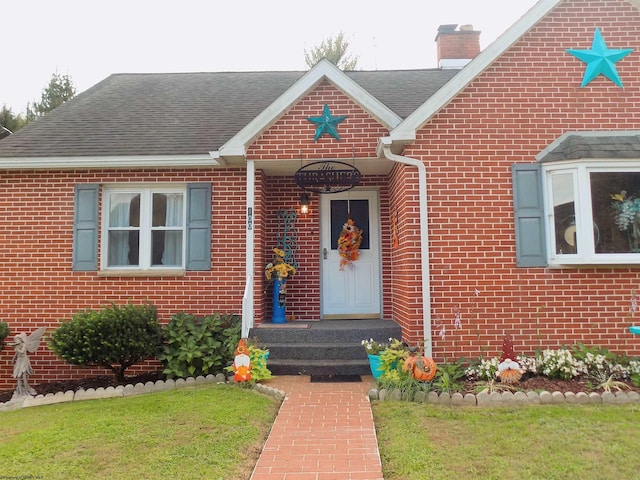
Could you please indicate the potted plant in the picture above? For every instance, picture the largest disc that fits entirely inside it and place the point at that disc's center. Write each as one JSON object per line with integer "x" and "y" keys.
{"x": 374, "y": 349}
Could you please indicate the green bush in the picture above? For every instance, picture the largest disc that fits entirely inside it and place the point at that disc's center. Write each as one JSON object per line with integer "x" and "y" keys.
{"x": 199, "y": 345}
{"x": 4, "y": 333}
{"x": 115, "y": 337}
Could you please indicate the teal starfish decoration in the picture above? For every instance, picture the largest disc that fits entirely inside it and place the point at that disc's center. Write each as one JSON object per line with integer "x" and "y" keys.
{"x": 600, "y": 60}
{"x": 326, "y": 124}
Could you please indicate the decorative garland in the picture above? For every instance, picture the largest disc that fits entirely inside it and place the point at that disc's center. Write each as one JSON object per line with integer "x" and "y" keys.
{"x": 349, "y": 243}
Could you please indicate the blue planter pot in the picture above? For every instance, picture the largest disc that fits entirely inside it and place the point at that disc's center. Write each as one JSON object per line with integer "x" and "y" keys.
{"x": 374, "y": 363}
{"x": 279, "y": 300}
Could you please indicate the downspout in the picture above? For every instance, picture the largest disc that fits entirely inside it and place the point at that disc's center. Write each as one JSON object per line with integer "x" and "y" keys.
{"x": 247, "y": 297}
{"x": 385, "y": 143}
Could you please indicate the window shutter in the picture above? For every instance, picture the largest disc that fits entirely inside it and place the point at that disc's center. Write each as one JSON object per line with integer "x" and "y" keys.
{"x": 528, "y": 204}
{"x": 85, "y": 227}
{"x": 199, "y": 226}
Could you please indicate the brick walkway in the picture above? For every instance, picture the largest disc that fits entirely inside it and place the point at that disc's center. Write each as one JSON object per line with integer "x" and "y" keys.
{"x": 324, "y": 431}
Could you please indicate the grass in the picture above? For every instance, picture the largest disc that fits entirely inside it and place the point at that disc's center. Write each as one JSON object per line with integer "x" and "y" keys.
{"x": 419, "y": 441}
{"x": 217, "y": 432}
{"x": 211, "y": 431}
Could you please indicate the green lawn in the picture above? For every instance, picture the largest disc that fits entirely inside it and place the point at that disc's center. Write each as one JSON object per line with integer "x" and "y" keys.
{"x": 217, "y": 432}
{"x": 419, "y": 441}
{"x": 204, "y": 432}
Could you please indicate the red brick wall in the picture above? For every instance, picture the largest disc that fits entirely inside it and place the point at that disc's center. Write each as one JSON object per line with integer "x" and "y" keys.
{"x": 405, "y": 274}
{"x": 516, "y": 108}
{"x": 40, "y": 289}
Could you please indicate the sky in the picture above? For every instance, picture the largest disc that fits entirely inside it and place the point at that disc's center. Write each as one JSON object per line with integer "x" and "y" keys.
{"x": 90, "y": 40}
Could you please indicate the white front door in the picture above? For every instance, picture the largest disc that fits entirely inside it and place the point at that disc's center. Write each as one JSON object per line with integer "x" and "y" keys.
{"x": 354, "y": 291}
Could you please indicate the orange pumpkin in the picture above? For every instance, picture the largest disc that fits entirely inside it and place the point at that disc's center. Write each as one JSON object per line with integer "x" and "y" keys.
{"x": 422, "y": 368}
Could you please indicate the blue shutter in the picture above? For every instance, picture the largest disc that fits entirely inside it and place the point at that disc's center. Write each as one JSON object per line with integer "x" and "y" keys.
{"x": 85, "y": 227}
{"x": 199, "y": 226}
{"x": 528, "y": 204}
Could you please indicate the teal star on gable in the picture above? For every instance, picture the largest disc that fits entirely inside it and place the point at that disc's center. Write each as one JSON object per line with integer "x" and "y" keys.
{"x": 600, "y": 60}
{"x": 326, "y": 123}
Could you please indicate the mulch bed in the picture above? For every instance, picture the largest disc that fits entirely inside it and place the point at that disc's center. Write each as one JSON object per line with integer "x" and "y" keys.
{"x": 538, "y": 384}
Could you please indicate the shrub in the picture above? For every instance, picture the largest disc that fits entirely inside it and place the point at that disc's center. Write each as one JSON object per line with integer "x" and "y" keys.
{"x": 115, "y": 337}
{"x": 557, "y": 364}
{"x": 4, "y": 333}
{"x": 199, "y": 345}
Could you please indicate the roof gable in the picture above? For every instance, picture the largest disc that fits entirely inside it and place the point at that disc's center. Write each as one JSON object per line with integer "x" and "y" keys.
{"x": 405, "y": 132}
{"x": 235, "y": 148}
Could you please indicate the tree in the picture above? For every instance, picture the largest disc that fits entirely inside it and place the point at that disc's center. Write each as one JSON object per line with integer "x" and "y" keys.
{"x": 9, "y": 122}
{"x": 59, "y": 90}
{"x": 333, "y": 49}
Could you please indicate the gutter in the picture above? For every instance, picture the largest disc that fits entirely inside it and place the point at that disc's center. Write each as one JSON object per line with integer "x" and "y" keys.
{"x": 384, "y": 147}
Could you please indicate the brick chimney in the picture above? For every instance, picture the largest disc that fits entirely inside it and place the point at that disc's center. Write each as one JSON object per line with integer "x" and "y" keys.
{"x": 457, "y": 47}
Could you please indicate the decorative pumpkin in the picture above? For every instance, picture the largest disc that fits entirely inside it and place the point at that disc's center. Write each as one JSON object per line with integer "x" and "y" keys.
{"x": 422, "y": 368}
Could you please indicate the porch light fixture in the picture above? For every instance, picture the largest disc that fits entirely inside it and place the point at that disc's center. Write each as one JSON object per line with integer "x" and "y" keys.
{"x": 304, "y": 203}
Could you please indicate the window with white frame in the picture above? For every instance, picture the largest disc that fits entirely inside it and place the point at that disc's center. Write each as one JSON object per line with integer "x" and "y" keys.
{"x": 143, "y": 227}
{"x": 593, "y": 212}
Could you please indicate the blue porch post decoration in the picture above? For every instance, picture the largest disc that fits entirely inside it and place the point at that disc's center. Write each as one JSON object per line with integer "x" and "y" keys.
{"x": 279, "y": 300}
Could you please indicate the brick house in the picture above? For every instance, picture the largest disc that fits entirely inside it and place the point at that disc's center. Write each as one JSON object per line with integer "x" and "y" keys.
{"x": 494, "y": 193}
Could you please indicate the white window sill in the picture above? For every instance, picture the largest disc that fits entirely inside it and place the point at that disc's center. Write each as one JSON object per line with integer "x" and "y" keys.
{"x": 165, "y": 272}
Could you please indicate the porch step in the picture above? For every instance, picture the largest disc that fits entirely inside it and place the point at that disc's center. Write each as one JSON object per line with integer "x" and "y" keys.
{"x": 319, "y": 367}
{"x": 316, "y": 351}
{"x": 327, "y": 347}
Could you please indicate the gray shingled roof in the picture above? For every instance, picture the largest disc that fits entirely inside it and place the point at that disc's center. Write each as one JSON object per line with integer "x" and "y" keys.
{"x": 187, "y": 113}
{"x": 583, "y": 145}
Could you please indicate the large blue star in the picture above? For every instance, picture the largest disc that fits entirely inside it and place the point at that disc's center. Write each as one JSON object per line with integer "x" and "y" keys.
{"x": 326, "y": 124}
{"x": 600, "y": 60}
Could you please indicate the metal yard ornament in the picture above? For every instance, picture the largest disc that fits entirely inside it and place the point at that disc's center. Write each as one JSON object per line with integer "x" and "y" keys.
{"x": 326, "y": 123}
{"x": 23, "y": 344}
{"x": 600, "y": 60}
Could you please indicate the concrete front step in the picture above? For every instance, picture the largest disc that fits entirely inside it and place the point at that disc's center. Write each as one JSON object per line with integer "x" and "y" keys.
{"x": 319, "y": 367}
{"x": 317, "y": 351}
{"x": 327, "y": 347}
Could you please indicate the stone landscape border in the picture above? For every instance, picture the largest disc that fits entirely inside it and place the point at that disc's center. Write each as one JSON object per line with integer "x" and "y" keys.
{"x": 124, "y": 391}
{"x": 484, "y": 399}
{"x": 496, "y": 399}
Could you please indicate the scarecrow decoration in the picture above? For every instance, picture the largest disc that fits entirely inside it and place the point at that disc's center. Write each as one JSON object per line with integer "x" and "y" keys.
{"x": 349, "y": 243}
{"x": 242, "y": 363}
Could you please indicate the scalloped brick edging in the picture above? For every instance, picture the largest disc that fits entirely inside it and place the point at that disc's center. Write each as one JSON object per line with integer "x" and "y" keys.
{"x": 125, "y": 391}
{"x": 496, "y": 399}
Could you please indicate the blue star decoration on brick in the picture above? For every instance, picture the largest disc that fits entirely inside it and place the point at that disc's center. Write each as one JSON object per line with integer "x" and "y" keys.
{"x": 326, "y": 123}
{"x": 600, "y": 60}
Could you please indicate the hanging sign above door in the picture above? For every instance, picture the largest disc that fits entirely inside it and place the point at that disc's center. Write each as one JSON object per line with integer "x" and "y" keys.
{"x": 329, "y": 176}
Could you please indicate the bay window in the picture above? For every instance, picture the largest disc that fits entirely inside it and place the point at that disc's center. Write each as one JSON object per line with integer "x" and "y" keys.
{"x": 593, "y": 212}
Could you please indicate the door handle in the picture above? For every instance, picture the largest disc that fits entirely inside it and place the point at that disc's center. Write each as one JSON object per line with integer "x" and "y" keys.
{"x": 324, "y": 253}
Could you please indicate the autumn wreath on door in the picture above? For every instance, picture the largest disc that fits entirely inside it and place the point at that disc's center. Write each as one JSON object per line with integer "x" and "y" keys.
{"x": 349, "y": 243}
